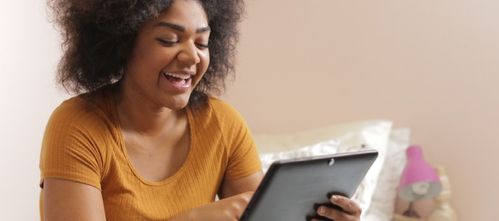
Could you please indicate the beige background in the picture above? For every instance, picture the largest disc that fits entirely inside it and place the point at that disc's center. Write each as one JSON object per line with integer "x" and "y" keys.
{"x": 29, "y": 51}
{"x": 432, "y": 66}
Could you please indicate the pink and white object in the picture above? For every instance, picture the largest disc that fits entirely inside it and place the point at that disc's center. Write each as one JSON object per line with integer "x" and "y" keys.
{"x": 419, "y": 179}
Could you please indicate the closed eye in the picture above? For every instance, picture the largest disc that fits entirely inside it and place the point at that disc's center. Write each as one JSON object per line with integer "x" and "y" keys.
{"x": 202, "y": 46}
{"x": 165, "y": 42}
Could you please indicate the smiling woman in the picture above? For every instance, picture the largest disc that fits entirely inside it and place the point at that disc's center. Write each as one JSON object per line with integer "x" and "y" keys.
{"x": 171, "y": 52}
{"x": 99, "y": 37}
{"x": 145, "y": 139}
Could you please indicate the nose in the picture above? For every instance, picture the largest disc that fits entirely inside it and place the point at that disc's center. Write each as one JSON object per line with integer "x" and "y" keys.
{"x": 189, "y": 54}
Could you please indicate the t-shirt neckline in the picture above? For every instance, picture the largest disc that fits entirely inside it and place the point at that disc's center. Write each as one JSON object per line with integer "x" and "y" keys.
{"x": 121, "y": 143}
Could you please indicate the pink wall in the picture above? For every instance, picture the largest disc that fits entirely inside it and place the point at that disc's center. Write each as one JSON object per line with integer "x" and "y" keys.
{"x": 432, "y": 66}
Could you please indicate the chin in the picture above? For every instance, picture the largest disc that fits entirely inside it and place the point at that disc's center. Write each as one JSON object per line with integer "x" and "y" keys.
{"x": 178, "y": 102}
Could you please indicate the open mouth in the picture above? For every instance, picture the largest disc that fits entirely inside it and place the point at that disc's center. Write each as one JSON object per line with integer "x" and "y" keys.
{"x": 178, "y": 79}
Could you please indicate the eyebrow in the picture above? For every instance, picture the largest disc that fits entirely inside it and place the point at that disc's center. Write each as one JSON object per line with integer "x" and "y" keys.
{"x": 180, "y": 28}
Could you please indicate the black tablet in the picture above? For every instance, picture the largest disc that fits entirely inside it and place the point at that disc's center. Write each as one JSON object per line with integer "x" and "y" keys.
{"x": 291, "y": 189}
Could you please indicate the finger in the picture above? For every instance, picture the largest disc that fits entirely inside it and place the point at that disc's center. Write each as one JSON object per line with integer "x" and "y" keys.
{"x": 320, "y": 219}
{"x": 334, "y": 214}
{"x": 247, "y": 195}
{"x": 348, "y": 205}
{"x": 239, "y": 203}
{"x": 243, "y": 199}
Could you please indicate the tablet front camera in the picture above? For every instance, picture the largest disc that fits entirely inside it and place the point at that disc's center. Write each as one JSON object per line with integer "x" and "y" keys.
{"x": 331, "y": 162}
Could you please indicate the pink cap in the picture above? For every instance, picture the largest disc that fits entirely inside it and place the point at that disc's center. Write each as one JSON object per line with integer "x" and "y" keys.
{"x": 418, "y": 170}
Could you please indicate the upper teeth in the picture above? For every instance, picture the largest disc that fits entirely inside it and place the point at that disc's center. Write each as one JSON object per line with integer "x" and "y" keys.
{"x": 181, "y": 76}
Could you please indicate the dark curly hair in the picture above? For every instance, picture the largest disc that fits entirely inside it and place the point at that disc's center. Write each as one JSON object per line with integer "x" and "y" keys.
{"x": 98, "y": 37}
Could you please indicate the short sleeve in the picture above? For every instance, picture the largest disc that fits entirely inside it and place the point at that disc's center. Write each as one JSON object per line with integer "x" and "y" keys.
{"x": 243, "y": 155}
{"x": 72, "y": 146}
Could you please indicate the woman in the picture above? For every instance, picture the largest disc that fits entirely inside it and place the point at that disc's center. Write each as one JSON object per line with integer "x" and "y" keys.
{"x": 144, "y": 140}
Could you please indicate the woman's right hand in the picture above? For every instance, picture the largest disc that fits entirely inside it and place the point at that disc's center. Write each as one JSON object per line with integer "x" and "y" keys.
{"x": 228, "y": 209}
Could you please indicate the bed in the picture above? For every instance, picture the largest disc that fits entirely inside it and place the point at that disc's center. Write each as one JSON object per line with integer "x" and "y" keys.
{"x": 377, "y": 192}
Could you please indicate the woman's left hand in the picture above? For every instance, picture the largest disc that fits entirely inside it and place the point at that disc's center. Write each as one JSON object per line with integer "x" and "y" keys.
{"x": 351, "y": 210}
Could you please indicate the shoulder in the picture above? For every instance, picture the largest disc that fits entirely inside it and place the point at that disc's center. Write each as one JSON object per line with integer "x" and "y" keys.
{"x": 77, "y": 139}
{"x": 218, "y": 111}
{"x": 221, "y": 107}
{"x": 86, "y": 115}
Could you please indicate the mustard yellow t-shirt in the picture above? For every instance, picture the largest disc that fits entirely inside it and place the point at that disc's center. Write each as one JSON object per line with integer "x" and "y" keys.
{"x": 83, "y": 143}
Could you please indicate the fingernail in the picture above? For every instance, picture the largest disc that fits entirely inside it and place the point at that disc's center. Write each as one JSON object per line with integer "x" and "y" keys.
{"x": 321, "y": 210}
{"x": 335, "y": 198}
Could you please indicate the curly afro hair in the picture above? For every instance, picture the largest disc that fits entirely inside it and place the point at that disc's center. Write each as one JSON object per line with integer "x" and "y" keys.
{"x": 98, "y": 37}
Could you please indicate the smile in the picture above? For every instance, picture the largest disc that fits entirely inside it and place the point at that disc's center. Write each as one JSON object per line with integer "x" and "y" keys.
{"x": 176, "y": 75}
{"x": 178, "y": 80}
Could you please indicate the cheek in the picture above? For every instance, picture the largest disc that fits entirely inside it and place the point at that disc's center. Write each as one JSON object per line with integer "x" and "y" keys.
{"x": 152, "y": 56}
{"x": 204, "y": 62}
{"x": 157, "y": 57}
{"x": 143, "y": 59}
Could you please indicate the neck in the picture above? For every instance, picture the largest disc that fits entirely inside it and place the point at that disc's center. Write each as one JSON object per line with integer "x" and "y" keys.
{"x": 143, "y": 116}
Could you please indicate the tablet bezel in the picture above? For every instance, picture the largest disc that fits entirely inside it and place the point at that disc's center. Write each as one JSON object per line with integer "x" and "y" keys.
{"x": 276, "y": 166}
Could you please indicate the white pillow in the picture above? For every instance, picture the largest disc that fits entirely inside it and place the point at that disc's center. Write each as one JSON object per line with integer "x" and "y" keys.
{"x": 340, "y": 138}
{"x": 324, "y": 148}
{"x": 373, "y": 133}
{"x": 383, "y": 201}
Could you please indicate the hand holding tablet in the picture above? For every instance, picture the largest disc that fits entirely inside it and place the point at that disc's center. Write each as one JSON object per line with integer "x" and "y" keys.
{"x": 340, "y": 208}
{"x": 311, "y": 188}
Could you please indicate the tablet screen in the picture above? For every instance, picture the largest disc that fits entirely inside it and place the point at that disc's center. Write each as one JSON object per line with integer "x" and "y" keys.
{"x": 291, "y": 188}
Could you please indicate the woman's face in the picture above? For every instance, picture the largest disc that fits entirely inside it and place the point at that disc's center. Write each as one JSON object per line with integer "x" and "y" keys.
{"x": 170, "y": 55}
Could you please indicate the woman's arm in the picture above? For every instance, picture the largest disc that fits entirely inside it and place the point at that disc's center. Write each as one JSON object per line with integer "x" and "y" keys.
{"x": 228, "y": 209}
{"x": 68, "y": 200}
{"x": 233, "y": 187}
{"x": 235, "y": 196}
